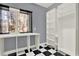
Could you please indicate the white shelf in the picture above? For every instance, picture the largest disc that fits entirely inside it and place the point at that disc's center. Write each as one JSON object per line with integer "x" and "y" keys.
{"x": 37, "y": 38}
{"x": 19, "y": 34}
{"x": 7, "y": 35}
{"x": 8, "y": 52}
{"x": 26, "y": 34}
{"x": 20, "y": 49}
{"x": 20, "y": 53}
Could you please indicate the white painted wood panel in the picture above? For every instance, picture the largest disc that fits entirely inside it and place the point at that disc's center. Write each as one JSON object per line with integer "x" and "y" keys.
{"x": 67, "y": 28}
{"x": 51, "y": 27}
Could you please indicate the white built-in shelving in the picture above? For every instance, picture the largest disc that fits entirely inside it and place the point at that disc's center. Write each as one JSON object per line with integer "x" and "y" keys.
{"x": 16, "y": 35}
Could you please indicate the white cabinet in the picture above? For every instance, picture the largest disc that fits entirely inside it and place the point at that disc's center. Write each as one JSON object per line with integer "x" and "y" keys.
{"x": 51, "y": 27}
{"x": 17, "y": 43}
{"x": 61, "y": 24}
{"x": 67, "y": 28}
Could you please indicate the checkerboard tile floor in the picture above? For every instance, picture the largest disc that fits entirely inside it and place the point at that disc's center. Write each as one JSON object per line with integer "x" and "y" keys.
{"x": 42, "y": 51}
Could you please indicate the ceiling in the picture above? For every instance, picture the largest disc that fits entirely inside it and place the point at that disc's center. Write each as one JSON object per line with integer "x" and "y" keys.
{"x": 46, "y": 5}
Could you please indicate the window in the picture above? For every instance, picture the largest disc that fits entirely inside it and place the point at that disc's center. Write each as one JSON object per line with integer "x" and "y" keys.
{"x": 15, "y": 20}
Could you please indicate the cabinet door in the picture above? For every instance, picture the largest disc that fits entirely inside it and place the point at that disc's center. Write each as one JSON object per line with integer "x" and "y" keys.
{"x": 60, "y": 22}
{"x": 67, "y": 28}
{"x": 51, "y": 26}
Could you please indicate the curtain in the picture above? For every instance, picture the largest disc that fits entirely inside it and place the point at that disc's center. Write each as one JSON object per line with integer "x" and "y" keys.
{"x": 23, "y": 23}
{"x": 4, "y": 21}
{"x": 13, "y": 17}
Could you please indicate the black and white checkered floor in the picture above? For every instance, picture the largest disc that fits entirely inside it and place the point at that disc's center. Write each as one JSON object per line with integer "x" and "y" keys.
{"x": 42, "y": 51}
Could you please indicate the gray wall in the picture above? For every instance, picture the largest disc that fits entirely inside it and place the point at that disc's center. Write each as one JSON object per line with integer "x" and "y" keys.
{"x": 39, "y": 18}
